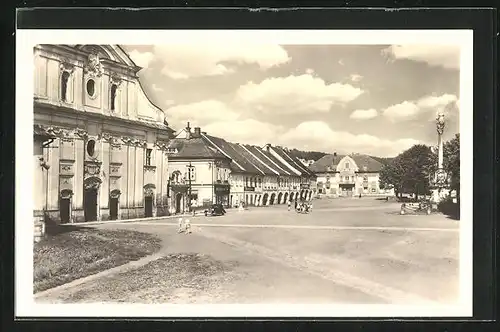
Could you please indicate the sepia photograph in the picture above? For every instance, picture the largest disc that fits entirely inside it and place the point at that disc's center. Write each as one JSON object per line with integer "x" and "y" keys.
{"x": 220, "y": 173}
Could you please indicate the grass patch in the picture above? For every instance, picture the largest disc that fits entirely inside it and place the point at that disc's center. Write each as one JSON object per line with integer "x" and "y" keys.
{"x": 76, "y": 252}
{"x": 159, "y": 281}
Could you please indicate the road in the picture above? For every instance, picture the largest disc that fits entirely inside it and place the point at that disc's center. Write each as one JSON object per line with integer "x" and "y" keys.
{"x": 345, "y": 251}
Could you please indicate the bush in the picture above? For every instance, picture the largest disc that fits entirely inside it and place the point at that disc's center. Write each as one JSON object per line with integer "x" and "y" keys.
{"x": 448, "y": 207}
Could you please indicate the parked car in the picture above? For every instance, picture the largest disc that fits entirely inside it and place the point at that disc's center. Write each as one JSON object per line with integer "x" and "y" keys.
{"x": 215, "y": 210}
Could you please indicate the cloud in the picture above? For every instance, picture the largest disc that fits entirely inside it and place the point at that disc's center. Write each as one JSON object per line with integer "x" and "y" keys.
{"x": 189, "y": 60}
{"x": 437, "y": 102}
{"x": 294, "y": 95}
{"x": 246, "y": 131}
{"x": 156, "y": 88}
{"x": 364, "y": 114}
{"x": 404, "y": 110}
{"x": 309, "y": 71}
{"x": 432, "y": 104}
{"x": 142, "y": 59}
{"x": 201, "y": 113}
{"x": 341, "y": 62}
{"x": 356, "y": 77}
{"x": 446, "y": 56}
{"x": 319, "y": 135}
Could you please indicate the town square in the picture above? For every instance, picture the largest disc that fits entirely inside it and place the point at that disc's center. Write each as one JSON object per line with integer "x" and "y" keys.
{"x": 246, "y": 174}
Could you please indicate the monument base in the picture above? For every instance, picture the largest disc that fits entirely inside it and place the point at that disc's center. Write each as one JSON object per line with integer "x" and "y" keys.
{"x": 438, "y": 194}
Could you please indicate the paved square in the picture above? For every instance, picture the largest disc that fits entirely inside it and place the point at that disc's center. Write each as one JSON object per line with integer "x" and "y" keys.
{"x": 345, "y": 251}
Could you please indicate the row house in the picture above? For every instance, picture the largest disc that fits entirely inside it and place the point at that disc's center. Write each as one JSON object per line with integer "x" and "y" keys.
{"x": 347, "y": 175}
{"x": 99, "y": 142}
{"x": 198, "y": 173}
{"x": 263, "y": 175}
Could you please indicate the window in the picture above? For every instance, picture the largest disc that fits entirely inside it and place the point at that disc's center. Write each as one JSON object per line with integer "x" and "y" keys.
{"x": 191, "y": 173}
{"x": 347, "y": 178}
{"x": 347, "y": 165}
{"x": 64, "y": 85}
{"x": 113, "y": 96}
{"x": 91, "y": 147}
{"x": 260, "y": 182}
{"x": 91, "y": 87}
{"x": 148, "y": 157}
{"x": 365, "y": 178}
{"x": 246, "y": 181}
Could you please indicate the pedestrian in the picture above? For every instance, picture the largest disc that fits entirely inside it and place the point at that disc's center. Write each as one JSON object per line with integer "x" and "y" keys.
{"x": 181, "y": 225}
{"x": 187, "y": 226}
{"x": 289, "y": 205}
{"x": 295, "y": 204}
{"x": 359, "y": 195}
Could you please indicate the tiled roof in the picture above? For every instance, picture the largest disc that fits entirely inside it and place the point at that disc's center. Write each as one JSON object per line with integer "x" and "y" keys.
{"x": 193, "y": 148}
{"x": 362, "y": 161}
{"x": 239, "y": 162}
{"x": 294, "y": 162}
{"x": 270, "y": 160}
{"x": 246, "y": 151}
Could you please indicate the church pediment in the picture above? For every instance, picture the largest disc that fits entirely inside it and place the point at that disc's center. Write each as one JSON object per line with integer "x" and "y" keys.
{"x": 112, "y": 53}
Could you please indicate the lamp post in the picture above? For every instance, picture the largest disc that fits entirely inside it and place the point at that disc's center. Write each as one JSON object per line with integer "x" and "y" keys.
{"x": 190, "y": 169}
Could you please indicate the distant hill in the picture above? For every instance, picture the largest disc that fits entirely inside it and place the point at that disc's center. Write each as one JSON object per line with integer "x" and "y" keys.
{"x": 315, "y": 155}
{"x": 383, "y": 161}
{"x": 307, "y": 155}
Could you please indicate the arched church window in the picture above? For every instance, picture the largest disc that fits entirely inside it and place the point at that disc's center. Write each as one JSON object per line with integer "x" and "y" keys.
{"x": 64, "y": 85}
{"x": 113, "y": 96}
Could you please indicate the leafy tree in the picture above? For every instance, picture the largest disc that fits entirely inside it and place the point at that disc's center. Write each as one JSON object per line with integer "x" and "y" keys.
{"x": 451, "y": 163}
{"x": 410, "y": 171}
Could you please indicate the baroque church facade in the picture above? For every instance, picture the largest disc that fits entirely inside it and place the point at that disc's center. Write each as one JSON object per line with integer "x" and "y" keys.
{"x": 100, "y": 145}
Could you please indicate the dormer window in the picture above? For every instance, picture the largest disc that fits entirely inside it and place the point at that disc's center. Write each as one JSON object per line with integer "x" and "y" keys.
{"x": 64, "y": 85}
{"x": 112, "y": 97}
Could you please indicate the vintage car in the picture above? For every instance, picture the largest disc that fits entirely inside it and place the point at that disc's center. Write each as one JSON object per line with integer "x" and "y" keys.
{"x": 215, "y": 210}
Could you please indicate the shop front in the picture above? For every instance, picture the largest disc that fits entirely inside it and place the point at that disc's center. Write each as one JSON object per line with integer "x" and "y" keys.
{"x": 221, "y": 192}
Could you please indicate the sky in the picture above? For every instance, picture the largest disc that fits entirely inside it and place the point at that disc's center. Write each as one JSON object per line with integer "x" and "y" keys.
{"x": 371, "y": 99}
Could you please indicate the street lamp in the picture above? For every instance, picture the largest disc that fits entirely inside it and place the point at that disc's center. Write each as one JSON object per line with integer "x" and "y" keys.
{"x": 190, "y": 169}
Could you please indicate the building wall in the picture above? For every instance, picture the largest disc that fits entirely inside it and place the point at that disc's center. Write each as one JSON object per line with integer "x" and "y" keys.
{"x": 118, "y": 162}
{"x": 206, "y": 174}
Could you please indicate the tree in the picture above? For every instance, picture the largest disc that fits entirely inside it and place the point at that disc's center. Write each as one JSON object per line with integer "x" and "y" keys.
{"x": 451, "y": 163}
{"x": 411, "y": 170}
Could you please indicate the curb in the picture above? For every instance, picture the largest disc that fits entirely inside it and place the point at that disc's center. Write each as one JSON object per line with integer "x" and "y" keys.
{"x": 120, "y": 221}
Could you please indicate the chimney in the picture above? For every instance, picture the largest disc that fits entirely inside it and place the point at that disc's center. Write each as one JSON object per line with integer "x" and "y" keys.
{"x": 188, "y": 131}
{"x": 197, "y": 132}
{"x": 204, "y": 132}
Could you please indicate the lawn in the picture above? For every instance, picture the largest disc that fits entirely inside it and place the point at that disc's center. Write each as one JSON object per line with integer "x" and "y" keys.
{"x": 175, "y": 278}
{"x": 76, "y": 252}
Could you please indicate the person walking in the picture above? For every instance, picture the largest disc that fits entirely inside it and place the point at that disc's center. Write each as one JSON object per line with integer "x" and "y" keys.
{"x": 289, "y": 205}
{"x": 295, "y": 204}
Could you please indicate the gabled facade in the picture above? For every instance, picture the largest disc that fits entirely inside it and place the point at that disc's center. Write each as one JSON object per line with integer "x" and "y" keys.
{"x": 99, "y": 141}
{"x": 347, "y": 175}
{"x": 198, "y": 173}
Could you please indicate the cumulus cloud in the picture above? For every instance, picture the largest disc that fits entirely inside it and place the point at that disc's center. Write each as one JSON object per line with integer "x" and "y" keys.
{"x": 323, "y": 138}
{"x": 182, "y": 61}
{"x": 446, "y": 56}
{"x": 364, "y": 114}
{"x": 156, "y": 88}
{"x": 437, "y": 102}
{"x": 431, "y": 104}
{"x": 247, "y": 131}
{"x": 309, "y": 71}
{"x": 201, "y": 113}
{"x": 356, "y": 77}
{"x": 142, "y": 59}
{"x": 404, "y": 110}
{"x": 294, "y": 95}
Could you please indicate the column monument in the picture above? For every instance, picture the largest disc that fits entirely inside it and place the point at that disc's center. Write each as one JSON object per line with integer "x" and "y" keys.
{"x": 439, "y": 184}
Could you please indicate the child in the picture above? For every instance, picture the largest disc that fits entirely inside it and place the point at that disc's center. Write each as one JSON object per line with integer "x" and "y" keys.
{"x": 187, "y": 226}
{"x": 181, "y": 225}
